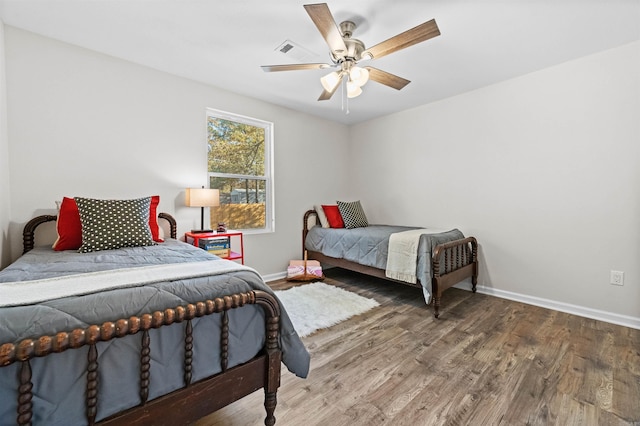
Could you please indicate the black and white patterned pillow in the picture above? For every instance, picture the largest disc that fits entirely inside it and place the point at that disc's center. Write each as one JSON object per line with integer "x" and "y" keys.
{"x": 112, "y": 224}
{"x": 352, "y": 214}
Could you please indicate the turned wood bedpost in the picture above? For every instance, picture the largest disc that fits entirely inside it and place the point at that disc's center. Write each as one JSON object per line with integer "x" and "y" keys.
{"x": 172, "y": 224}
{"x": 274, "y": 355}
{"x": 28, "y": 232}
{"x": 145, "y": 366}
{"x": 305, "y": 226}
{"x": 474, "y": 260}
{"x": 92, "y": 384}
{"x": 25, "y": 394}
{"x": 224, "y": 342}
{"x": 435, "y": 292}
{"x": 23, "y": 352}
{"x": 188, "y": 353}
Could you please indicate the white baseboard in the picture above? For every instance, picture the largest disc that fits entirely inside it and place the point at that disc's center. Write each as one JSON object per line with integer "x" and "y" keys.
{"x": 273, "y": 277}
{"x": 610, "y": 317}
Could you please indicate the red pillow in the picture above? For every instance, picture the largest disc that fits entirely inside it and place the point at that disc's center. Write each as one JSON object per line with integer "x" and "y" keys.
{"x": 333, "y": 216}
{"x": 70, "y": 228}
{"x": 153, "y": 219}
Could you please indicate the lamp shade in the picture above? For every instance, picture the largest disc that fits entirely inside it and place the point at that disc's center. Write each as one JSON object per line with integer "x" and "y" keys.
{"x": 353, "y": 89}
{"x": 202, "y": 197}
{"x": 331, "y": 81}
{"x": 359, "y": 76}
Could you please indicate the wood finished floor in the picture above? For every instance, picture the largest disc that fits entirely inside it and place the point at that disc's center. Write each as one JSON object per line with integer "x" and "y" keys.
{"x": 486, "y": 361}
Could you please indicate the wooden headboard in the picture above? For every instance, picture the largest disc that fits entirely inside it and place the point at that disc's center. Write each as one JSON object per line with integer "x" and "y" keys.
{"x": 28, "y": 233}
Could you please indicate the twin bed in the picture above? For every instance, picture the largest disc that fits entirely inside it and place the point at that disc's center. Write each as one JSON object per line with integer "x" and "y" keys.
{"x": 443, "y": 258}
{"x": 152, "y": 350}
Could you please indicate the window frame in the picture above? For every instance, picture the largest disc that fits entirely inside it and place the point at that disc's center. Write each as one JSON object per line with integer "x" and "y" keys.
{"x": 268, "y": 177}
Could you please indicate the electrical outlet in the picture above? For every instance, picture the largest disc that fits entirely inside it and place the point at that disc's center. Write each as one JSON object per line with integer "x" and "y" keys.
{"x": 617, "y": 277}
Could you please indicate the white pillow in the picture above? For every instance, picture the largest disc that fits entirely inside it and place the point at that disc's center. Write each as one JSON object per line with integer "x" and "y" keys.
{"x": 324, "y": 222}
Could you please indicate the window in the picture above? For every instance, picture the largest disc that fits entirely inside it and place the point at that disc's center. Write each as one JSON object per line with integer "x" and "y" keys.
{"x": 240, "y": 166}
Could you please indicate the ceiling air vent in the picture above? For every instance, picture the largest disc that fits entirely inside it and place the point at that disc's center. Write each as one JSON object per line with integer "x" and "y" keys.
{"x": 286, "y": 47}
{"x": 295, "y": 51}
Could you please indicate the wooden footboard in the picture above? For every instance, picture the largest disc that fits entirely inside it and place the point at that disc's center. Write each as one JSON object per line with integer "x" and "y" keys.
{"x": 450, "y": 263}
{"x": 182, "y": 406}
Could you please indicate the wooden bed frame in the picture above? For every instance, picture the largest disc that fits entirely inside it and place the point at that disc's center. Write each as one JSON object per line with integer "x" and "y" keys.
{"x": 183, "y": 406}
{"x": 458, "y": 260}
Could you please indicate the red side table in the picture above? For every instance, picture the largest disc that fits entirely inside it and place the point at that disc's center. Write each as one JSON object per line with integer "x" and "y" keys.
{"x": 233, "y": 255}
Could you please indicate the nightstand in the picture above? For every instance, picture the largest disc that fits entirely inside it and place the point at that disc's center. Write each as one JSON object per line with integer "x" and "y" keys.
{"x": 231, "y": 235}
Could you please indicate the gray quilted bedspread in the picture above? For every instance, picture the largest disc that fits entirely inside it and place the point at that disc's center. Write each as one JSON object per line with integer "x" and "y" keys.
{"x": 58, "y": 382}
{"x": 369, "y": 245}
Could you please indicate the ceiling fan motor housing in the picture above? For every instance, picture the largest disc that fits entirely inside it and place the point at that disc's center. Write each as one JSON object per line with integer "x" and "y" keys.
{"x": 354, "y": 46}
{"x": 347, "y": 28}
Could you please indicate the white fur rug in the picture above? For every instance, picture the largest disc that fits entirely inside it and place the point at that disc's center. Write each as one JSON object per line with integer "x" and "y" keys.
{"x": 318, "y": 305}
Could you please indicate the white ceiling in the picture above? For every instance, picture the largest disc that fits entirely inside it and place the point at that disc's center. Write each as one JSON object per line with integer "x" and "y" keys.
{"x": 223, "y": 43}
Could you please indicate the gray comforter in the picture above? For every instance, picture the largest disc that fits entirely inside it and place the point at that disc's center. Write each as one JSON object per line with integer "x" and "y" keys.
{"x": 369, "y": 245}
{"x": 59, "y": 383}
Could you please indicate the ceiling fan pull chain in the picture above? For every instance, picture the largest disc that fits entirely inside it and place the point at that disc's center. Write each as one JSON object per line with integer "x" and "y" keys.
{"x": 345, "y": 98}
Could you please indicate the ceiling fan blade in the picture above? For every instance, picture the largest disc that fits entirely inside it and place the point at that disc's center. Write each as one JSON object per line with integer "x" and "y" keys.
{"x": 322, "y": 17}
{"x": 403, "y": 40}
{"x": 387, "y": 78}
{"x": 326, "y": 95}
{"x": 294, "y": 67}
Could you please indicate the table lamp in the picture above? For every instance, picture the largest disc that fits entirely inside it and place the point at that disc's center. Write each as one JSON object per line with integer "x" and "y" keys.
{"x": 202, "y": 197}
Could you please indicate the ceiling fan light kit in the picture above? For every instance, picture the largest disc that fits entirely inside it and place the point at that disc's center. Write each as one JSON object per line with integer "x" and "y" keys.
{"x": 330, "y": 81}
{"x": 353, "y": 90}
{"x": 345, "y": 52}
{"x": 359, "y": 76}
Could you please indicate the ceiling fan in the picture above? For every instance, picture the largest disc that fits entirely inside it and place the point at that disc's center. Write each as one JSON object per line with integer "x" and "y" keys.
{"x": 346, "y": 52}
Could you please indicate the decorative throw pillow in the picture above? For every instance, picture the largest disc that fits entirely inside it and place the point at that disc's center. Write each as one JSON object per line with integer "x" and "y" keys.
{"x": 112, "y": 224}
{"x": 156, "y": 230}
{"x": 333, "y": 216}
{"x": 70, "y": 228}
{"x": 352, "y": 214}
{"x": 324, "y": 222}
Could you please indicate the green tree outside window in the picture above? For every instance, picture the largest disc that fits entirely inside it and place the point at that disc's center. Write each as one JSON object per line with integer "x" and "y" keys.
{"x": 239, "y": 165}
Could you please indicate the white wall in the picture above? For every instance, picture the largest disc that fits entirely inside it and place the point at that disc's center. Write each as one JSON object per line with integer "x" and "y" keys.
{"x": 5, "y": 204}
{"x": 544, "y": 170}
{"x": 86, "y": 124}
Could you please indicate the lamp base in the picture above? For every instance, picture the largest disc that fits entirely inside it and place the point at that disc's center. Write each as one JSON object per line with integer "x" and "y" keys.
{"x": 201, "y": 231}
